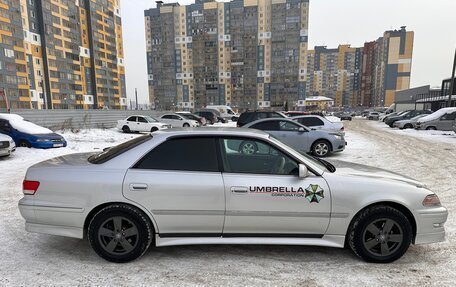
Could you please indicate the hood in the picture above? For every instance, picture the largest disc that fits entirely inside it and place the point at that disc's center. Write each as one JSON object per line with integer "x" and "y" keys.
{"x": 359, "y": 170}
{"x": 76, "y": 159}
{"x": 50, "y": 136}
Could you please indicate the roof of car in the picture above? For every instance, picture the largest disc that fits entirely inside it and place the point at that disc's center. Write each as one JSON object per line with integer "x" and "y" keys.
{"x": 231, "y": 131}
{"x": 10, "y": 117}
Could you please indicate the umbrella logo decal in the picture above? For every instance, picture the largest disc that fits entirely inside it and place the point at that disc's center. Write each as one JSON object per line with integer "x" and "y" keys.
{"x": 314, "y": 193}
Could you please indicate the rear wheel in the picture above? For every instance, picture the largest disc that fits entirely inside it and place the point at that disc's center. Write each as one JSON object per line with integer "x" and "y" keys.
{"x": 431, "y": 128}
{"x": 126, "y": 129}
{"x": 380, "y": 234}
{"x": 248, "y": 147}
{"x": 408, "y": 126}
{"x": 24, "y": 143}
{"x": 120, "y": 233}
{"x": 321, "y": 148}
{"x": 186, "y": 125}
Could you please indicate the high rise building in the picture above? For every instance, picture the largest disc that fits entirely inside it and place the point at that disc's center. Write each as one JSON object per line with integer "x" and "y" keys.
{"x": 68, "y": 54}
{"x": 335, "y": 73}
{"x": 246, "y": 53}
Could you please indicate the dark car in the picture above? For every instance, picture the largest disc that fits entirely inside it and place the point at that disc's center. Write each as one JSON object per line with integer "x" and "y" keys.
{"x": 405, "y": 116}
{"x": 248, "y": 117}
{"x": 345, "y": 117}
{"x": 210, "y": 116}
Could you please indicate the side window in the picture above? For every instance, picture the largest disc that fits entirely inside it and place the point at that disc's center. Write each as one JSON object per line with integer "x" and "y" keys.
{"x": 142, "y": 120}
{"x": 4, "y": 126}
{"x": 260, "y": 116}
{"x": 167, "y": 117}
{"x": 448, "y": 117}
{"x": 267, "y": 126}
{"x": 174, "y": 117}
{"x": 274, "y": 115}
{"x": 244, "y": 155}
{"x": 311, "y": 121}
{"x": 189, "y": 154}
{"x": 288, "y": 126}
{"x": 305, "y": 121}
{"x": 131, "y": 119}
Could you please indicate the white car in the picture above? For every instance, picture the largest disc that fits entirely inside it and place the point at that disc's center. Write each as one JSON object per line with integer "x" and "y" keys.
{"x": 187, "y": 186}
{"x": 178, "y": 121}
{"x": 140, "y": 124}
{"x": 320, "y": 123}
{"x": 7, "y": 145}
{"x": 373, "y": 116}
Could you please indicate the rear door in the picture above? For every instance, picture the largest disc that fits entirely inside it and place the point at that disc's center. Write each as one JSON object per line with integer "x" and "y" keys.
{"x": 180, "y": 183}
{"x": 265, "y": 197}
{"x": 446, "y": 122}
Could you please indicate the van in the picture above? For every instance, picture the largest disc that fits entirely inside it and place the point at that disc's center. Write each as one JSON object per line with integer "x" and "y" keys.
{"x": 225, "y": 112}
{"x": 442, "y": 120}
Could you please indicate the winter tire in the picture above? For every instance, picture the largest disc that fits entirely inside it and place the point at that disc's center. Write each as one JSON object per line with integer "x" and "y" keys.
{"x": 24, "y": 143}
{"x": 120, "y": 233}
{"x": 186, "y": 125}
{"x": 321, "y": 148}
{"x": 126, "y": 129}
{"x": 154, "y": 129}
{"x": 408, "y": 126}
{"x": 431, "y": 128}
{"x": 380, "y": 234}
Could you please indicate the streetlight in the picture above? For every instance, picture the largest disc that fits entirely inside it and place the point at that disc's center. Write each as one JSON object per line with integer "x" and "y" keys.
{"x": 452, "y": 80}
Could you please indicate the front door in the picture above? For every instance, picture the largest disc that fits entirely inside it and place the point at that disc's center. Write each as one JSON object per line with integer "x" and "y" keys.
{"x": 179, "y": 182}
{"x": 265, "y": 196}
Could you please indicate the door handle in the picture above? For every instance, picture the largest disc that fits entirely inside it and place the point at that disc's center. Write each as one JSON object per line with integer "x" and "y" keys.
{"x": 138, "y": 186}
{"x": 239, "y": 189}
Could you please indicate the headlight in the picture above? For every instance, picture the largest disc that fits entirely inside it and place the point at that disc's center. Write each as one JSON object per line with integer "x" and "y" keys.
{"x": 164, "y": 126}
{"x": 42, "y": 140}
{"x": 431, "y": 200}
{"x": 337, "y": 136}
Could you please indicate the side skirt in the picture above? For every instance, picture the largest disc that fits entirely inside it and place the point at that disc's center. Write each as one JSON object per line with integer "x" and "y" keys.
{"x": 327, "y": 240}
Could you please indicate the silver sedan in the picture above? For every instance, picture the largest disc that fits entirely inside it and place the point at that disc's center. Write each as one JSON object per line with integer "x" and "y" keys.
{"x": 318, "y": 142}
{"x": 186, "y": 186}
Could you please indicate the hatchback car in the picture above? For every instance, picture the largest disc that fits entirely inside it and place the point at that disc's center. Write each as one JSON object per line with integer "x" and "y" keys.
{"x": 320, "y": 123}
{"x": 27, "y": 134}
{"x": 187, "y": 186}
{"x": 248, "y": 117}
{"x": 7, "y": 145}
{"x": 319, "y": 143}
{"x": 442, "y": 120}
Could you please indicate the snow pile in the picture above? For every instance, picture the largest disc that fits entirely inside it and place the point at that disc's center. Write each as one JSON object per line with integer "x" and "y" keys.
{"x": 18, "y": 123}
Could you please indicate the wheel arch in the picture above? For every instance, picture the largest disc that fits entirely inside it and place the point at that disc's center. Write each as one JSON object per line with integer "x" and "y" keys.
{"x": 400, "y": 207}
{"x": 99, "y": 207}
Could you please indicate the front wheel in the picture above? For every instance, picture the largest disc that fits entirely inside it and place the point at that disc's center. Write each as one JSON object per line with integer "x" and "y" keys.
{"x": 321, "y": 148}
{"x": 24, "y": 143}
{"x": 380, "y": 234}
{"x": 120, "y": 233}
{"x": 154, "y": 129}
{"x": 408, "y": 126}
{"x": 126, "y": 129}
{"x": 186, "y": 125}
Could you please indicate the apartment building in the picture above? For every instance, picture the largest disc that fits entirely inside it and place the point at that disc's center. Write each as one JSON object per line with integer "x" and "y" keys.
{"x": 335, "y": 73}
{"x": 248, "y": 54}
{"x": 69, "y": 54}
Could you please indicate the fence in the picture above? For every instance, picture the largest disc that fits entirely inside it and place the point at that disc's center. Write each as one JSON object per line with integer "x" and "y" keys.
{"x": 78, "y": 119}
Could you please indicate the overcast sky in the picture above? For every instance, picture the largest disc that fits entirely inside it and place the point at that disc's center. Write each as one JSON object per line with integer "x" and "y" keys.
{"x": 333, "y": 22}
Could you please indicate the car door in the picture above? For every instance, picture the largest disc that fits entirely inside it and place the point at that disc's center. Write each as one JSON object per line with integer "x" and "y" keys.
{"x": 132, "y": 123}
{"x": 445, "y": 122}
{"x": 167, "y": 119}
{"x": 180, "y": 183}
{"x": 143, "y": 124}
{"x": 265, "y": 196}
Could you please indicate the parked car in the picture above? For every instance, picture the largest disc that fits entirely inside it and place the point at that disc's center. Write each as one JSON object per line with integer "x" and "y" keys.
{"x": 384, "y": 117}
{"x": 373, "y": 116}
{"x": 345, "y": 117}
{"x": 210, "y": 116}
{"x": 248, "y": 117}
{"x": 177, "y": 121}
{"x": 141, "y": 123}
{"x": 190, "y": 116}
{"x": 225, "y": 112}
{"x": 219, "y": 119}
{"x": 318, "y": 142}
{"x": 186, "y": 186}
{"x": 320, "y": 123}
{"x": 7, "y": 145}
{"x": 406, "y": 115}
{"x": 409, "y": 123}
{"x": 442, "y": 120}
{"x": 28, "y": 134}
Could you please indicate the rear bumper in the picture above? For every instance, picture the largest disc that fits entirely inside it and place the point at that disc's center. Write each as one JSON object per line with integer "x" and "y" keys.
{"x": 430, "y": 225}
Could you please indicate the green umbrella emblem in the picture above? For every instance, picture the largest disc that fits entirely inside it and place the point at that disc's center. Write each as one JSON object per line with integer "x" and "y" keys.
{"x": 314, "y": 193}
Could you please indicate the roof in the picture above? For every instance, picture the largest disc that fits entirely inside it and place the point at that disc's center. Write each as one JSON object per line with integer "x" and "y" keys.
{"x": 319, "y": 98}
{"x": 209, "y": 131}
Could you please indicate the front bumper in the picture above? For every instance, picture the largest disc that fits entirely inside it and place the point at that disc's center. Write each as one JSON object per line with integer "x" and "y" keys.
{"x": 430, "y": 225}
{"x": 7, "y": 151}
{"x": 49, "y": 144}
{"x": 339, "y": 145}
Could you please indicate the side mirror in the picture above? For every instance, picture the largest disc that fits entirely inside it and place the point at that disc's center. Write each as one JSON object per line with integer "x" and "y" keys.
{"x": 303, "y": 171}
{"x": 301, "y": 129}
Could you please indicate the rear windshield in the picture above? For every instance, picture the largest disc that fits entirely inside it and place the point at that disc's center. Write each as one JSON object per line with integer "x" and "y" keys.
{"x": 117, "y": 150}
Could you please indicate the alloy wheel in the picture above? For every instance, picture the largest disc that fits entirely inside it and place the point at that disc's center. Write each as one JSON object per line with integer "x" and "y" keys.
{"x": 383, "y": 237}
{"x": 118, "y": 235}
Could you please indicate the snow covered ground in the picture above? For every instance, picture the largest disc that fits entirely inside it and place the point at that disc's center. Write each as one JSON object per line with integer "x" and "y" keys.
{"x": 37, "y": 259}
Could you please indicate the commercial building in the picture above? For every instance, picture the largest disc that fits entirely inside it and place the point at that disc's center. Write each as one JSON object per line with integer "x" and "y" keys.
{"x": 68, "y": 54}
{"x": 248, "y": 54}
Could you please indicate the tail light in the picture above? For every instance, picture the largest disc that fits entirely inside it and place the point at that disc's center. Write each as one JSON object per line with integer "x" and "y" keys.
{"x": 30, "y": 187}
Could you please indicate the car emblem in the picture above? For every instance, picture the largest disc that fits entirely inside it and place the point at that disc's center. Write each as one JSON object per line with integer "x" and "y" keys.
{"x": 314, "y": 193}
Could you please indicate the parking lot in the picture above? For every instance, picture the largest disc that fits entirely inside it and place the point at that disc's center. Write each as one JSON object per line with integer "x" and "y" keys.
{"x": 37, "y": 259}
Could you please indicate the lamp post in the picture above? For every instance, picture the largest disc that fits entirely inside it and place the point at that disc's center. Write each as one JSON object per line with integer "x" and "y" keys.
{"x": 452, "y": 80}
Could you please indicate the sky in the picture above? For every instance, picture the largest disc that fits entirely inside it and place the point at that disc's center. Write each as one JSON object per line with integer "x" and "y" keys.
{"x": 332, "y": 22}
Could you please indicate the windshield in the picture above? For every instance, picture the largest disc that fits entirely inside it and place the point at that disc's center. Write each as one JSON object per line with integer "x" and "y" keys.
{"x": 112, "y": 152}
{"x": 418, "y": 117}
{"x": 151, "y": 119}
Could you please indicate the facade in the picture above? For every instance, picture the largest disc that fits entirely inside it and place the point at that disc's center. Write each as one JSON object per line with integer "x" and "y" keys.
{"x": 335, "y": 73}
{"x": 319, "y": 103}
{"x": 73, "y": 54}
{"x": 234, "y": 53}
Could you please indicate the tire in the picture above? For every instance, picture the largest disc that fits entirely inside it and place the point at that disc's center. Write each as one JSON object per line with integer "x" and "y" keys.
{"x": 186, "y": 125}
{"x": 408, "y": 126}
{"x": 126, "y": 129}
{"x": 24, "y": 143}
{"x": 248, "y": 147}
{"x": 321, "y": 148}
{"x": 153, "y": 129}
{"x": 431, "y": 128}
{"x": 368, "y": 239}
{"x": 108, "y": 240}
